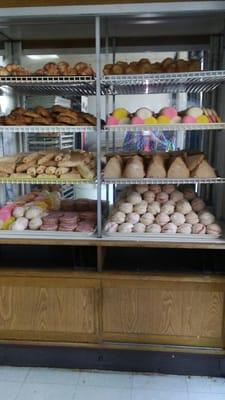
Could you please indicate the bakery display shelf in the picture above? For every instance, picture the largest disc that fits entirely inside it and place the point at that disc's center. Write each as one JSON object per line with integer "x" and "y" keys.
{"x": 193, "y": 82}
{"x": 45, "y": 180}
{"x": 165, "y": 127}
{"x": 51, "y": 235}
{"x": 162, "y": 181}
{"x": 67, "y": 86}
{"x": 60, "y": 129}
{"x": 162, "y": 237}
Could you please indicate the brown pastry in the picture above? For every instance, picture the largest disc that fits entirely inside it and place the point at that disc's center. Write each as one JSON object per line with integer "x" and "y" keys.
{"x": 48, "y": 157}
{"x": 74, "y": 174}
{"x": 72, "y": 71}
{"x": 31, "y": 114}
{"x": 61, "y": 170}
{"x": 3, "y": 71}
{"x": 43, "y": 112}
{"x": 63, "y": 67}
{"x": 118, "y": 69}
{"x": 156, "y": 168}
{"x": 165, "y": 64}
{"x": 80, "y": 67}
{"x": 85, "y": 172}
{"x": 145, "y": 68}
{"x": 181, "y": 66}
{"x": 204, "y": 170}
{"x": 4, "y": 174}
{"x": 32, "y": 157}
{"x": 90, "y": 118}
{"x": 51, "y": 69}
{"x": 41, "y": 169}
{"x": 32, "y": 171}
{"x": 7, "y": 168}
{"x": 178, "y": 169}
{"x": 42, "y": 121}
{"x": 194, "y": 65}
{"x": 67, "y": 120}
{"x": 18, "y": 111}
{"x": 40, "y": 72}
{"x": 50, "y": 170}
{"x": 24, "y": 167}
{"x": 131, "y": 70}
{"x": 192, "y": 161}
{"x": 134, "y": 168}
{"x": 107, "y": 70}
{"x": 156, "y": 68}
{"x": 50, "y": 163}
{"x": 113, "y": 168}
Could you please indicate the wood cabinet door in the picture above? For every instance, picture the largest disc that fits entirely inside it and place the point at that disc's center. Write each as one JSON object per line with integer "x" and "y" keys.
{"x": 49, "y": 309}
{"x": 160, "y": 312}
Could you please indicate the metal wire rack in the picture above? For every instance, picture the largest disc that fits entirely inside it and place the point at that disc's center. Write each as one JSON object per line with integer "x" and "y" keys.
{"x": 46, "y": 180}
{"x": 193, "y": 82}
{"x": 62, "y": 129}
{"x": 158, "y": 181}
{"x": 65, "y": 86}
{"x": 165, "y": 127}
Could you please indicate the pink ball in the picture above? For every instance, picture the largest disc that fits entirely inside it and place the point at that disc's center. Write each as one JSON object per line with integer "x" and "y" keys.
{"x": 137, "y": 121}
{"x": 169, "y": 112}
{"x": 188, "y": 119}
{"x": 112, "y": 121}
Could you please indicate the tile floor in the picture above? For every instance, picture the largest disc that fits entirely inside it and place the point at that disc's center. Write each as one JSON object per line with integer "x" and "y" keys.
{"x": 60, "y": 384}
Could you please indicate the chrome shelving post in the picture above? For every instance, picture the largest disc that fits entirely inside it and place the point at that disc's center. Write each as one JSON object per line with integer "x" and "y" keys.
{"x": 98, "y": 127}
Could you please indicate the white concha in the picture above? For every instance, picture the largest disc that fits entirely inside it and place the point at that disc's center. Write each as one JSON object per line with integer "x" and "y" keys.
{"x": 18, "y": 212}
{"x": 33, "y": 212}
{"x": 35, "y": 223}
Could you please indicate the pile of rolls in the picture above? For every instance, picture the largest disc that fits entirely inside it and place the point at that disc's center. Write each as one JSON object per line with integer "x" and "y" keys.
{"x": 161, "y": 209}
{"x": 61, "y": 68}
{"x": 180, "y": 164}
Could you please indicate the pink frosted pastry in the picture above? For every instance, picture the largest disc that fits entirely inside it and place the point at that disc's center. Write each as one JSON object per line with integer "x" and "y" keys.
{"x": 191, "y": 218}
{"x": 134, "y": 198}
{"x": 155, "y": 188}
{"x": 126, "y": 227}
{"x": 112, "y": 121}
{"x": 183, "y": 206}
{"x": 162, "y": 197}
{"x": 197, "y": 204}
{"x": 141, "y": 208}
{"x": 176, "y": 196}
{"x": 198, "y": 229}
{"x": 137, "y": 121}
{"x": 141, "y": 188}
{"x": 189, "y": 193}
{"x": 206, "y": 218}
{"x": 168, "y": 188}
{"x": 177, "y": 218}
{"x": 118, "y": 217}
{"x": 143, "y": 113}
{"x": 111, "y": 227}
{"x": 149, "y": 197}
{"x": 188, "y": 119}
{"x": 169, "y": 228}
{"x": 213, "y": 229}
{"x": 185, "y": 229}
{"x": 169, "y": 112}
{"x": 147, "y": 218}
{"x": 139, "y": 228}
{"x": 153, "y": 228}
{"x": 162, "y": 219}
{"x": 125, "y": 207}
{"x": 154, "y": 208}
{"x": 168, "y": 208}
{"x": 133, "y": 218}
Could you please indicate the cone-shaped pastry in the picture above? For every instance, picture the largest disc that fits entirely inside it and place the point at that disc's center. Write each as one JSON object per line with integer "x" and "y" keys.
{"x": 193, "y": 161}
{"x": 134, "y": 168}
{"x": 113, "y": 168}
{"x": 204, "y": 170}
{"x": 178, "y": 169}
{"x": 156, "y": 168}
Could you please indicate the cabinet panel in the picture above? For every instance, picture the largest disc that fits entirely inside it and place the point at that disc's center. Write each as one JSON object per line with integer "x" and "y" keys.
{"x": 49, "y": 309}
{"x": 158, "y": 313}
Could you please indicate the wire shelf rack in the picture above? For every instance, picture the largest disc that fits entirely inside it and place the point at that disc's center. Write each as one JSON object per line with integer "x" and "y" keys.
{"x": 157, "y": 181}
{"x": 48, "y": 180}
{"x": 165, "y": 127}
{"x": 193, "y": 82}
{"x": 65, "y": 86}
{"x": 61, "y": 129}
{"x": 54, "y": 235}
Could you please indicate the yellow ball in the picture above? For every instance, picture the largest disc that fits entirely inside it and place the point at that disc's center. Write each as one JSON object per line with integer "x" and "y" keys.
{"x": 150, "y": 121}
{"x": 162, "y": 119}
{"x": 202, "y": 119}
{"x": 120, "y": 113}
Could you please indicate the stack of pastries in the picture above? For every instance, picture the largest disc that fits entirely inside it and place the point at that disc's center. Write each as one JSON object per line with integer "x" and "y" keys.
{"x": 144, "y": 66}
{"x": 180, "y": 164}
{"x": 57, "y": 115}
{"x": 61, "y": 68}
{"x": 161, "y": 209}
{"x": 50, "y": 164}
{"x": 167, "y": 115}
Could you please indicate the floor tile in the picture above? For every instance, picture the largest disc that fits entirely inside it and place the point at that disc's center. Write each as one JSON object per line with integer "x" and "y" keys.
{"x": 206, "y": 396}
{"x": 140, "y": 394}
{"x": 13, "y": 374}
{"x": 9, "y": 390}
{"x": 198, "y": 384}
{"x": 106, "y": 379}
{"x": 101, "y": 393}
{"x": 217, "y": 385}
{"x": 160, "y": 382}
{"x": 52, "y": 375}
{"x": 40, "y": 391}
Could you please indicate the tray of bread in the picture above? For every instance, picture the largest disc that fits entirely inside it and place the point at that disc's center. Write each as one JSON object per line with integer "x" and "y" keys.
{"x": 162, "y": 212}
{"x": 159, "y": 167}
{"x": 52, "y": 166}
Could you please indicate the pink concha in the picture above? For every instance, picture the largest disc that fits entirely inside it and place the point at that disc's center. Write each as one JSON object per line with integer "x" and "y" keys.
{"x": 169, "y": 112}
{"x": 137, "y": 121}
{"x": 188, "y": 119}
{"x": 112, "y": 121}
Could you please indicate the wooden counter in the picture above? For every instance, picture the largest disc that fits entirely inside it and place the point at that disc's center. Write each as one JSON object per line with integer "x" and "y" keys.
{"x": 112, "y": 309}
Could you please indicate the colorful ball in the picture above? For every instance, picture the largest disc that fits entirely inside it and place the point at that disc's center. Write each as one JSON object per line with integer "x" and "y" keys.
{"x": 120, "y": 113}
{"x": 169, "y": 112}
{"x": 188, "y": 119}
